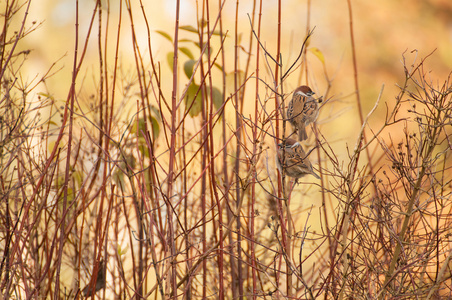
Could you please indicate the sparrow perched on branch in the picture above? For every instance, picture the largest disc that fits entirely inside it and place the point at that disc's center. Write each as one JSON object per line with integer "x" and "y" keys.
{"x": 97, "y": 283}
{"x": 303, "y": 109}
{"x": 294, "y": 160}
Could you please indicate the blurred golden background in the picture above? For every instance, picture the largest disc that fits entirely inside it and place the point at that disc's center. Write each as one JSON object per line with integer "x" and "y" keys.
{"x": 122, "y": 189}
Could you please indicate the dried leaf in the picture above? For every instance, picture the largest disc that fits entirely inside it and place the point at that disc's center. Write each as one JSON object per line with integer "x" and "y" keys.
{"x": 318, "y": 53}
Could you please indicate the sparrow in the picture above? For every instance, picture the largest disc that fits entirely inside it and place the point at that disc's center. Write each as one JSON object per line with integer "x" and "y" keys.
{"x": 295, "y": 161}
{"x": 302, "y": 110}
{"x": 97, "y": 283}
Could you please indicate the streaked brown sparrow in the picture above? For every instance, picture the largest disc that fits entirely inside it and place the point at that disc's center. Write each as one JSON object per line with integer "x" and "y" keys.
{"x": 295, "y": 161}
{"x": 302, "y": 110}
{"x": 97, "y": 283}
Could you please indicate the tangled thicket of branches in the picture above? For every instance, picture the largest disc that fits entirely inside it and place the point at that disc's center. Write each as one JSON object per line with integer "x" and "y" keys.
{"x": 177, "y": 195}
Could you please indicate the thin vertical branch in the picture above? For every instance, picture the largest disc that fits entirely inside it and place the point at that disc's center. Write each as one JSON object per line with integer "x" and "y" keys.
{"x": 212, "y": 156}
{"x": 239, "y": 283}
{"x": 71, "y": 100}
{"x": 225, "y": 167}
{"x": 355, "y": 77}
{"x": 204, "y": 148}
{"x": 172, "y": 153}
{"x": 255, "y": 141}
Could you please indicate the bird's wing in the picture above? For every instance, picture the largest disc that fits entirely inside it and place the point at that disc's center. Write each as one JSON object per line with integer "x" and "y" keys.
{"x": 296, "y": 107}
{"x": 289, "y": 113}
{"x": 294, "y": 158}
{"x": 310, "y": 109}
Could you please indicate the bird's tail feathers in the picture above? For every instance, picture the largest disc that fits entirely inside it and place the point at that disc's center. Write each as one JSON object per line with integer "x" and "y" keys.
{"x": 315, "y": 175}
{"x": 302, "y": 135}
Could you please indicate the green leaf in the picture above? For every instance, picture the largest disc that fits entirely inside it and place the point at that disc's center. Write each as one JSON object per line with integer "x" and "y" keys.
{"x": 203, "y": 23}
{"x": 50, "y": 146}
{"x": 217, "y": 98}
{"x": 187, "y": 52}
{"x": 165, "y": 35}
{"x": 188, "y": 28}
{"x": 155, "y": 112}
{"x": 170, "y": 59}
{"x": 154, "y": 122}
{"x": 206, "y": 51}
{"x": 218, "y": 66}
{"x": 155, "y": 127}
{"x": 70, "y": 196}
{"x": 78, "y": 177}
{"x": 188, "y": 67}
{"x": 216, "y": 32}
{"x": 141, "y": 127}
{"x": 121, "y": 251}
{"x": 58, "y": 182}
{"x": 193, "y": 104}
{"x": 143, "y": 147}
